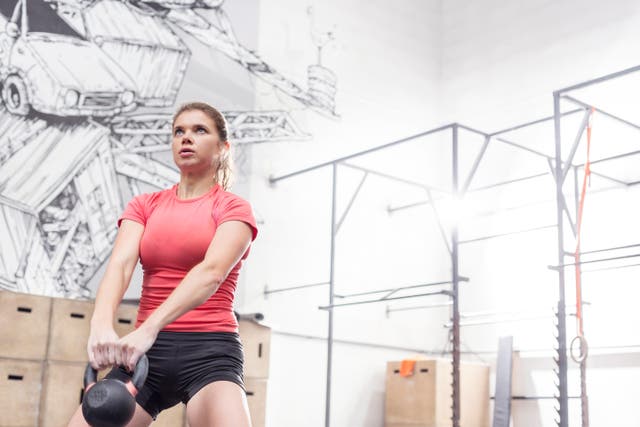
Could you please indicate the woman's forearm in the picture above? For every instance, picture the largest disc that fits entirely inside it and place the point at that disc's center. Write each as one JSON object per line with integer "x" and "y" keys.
{"x": 110, "y": 292}
{"x": 115, "y": 281}
{"x": 202, "y": 281}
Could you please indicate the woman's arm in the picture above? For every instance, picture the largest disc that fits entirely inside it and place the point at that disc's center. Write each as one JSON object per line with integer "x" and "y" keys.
{"x": 230, "y": 242}
{"x": 114, "y": 283}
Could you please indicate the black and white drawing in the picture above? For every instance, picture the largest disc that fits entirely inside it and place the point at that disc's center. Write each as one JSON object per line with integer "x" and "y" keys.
{"x": 87, "y": 89}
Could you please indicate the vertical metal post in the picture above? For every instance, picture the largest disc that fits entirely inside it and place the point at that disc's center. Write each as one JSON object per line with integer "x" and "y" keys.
{"x": 561, "y": 361}
{"x": 455, "y": 336}
{"x": 584, "y": 399}
{"x": 327, "y": 416}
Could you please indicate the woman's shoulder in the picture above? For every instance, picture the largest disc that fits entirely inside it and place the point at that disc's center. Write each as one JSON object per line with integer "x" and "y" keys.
{"x": 153, "y": 198}
{"x": 231, "y": 206}
{"x": 228, "y": 197}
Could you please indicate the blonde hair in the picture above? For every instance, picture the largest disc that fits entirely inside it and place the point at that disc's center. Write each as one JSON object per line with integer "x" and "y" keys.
{"x": 224, "y": 169}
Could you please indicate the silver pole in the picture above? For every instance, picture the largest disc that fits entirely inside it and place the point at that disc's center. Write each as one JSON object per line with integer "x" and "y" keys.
{"x": 327, "y": 418}
{"x": 561, "y": 316}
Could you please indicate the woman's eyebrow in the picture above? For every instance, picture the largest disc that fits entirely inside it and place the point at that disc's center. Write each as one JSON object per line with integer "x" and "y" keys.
{"x": 192, "y": 125}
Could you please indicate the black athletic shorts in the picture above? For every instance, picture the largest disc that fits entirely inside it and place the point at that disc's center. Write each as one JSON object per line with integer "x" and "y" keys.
{"x": 181, "y": 363}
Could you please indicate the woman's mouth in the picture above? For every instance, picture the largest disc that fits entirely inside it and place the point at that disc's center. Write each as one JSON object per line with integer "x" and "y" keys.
{"x": 186, "y": 152}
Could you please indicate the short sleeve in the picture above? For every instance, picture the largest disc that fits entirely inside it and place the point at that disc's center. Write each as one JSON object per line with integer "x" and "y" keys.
{"x": 237, "y": 209}
{"x": 135, "y": 210}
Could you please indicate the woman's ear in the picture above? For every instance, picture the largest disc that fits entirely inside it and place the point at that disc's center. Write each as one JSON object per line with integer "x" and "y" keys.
{"x": 227, "y": 145}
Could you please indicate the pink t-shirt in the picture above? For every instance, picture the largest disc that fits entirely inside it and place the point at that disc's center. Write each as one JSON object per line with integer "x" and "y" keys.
{"x": 177, "y": 234}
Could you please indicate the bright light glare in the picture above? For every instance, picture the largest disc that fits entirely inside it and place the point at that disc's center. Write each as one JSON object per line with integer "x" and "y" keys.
{"x": 453, "y": 210}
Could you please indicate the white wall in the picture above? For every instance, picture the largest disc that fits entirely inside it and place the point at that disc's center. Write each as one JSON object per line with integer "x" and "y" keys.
{"x": 401, "y": 71}
{"x": 501, "y": 62}
{"x": 387, "y": 64}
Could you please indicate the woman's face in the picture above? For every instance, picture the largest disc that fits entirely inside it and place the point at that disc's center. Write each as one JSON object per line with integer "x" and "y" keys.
{"x": 196, "y": 144}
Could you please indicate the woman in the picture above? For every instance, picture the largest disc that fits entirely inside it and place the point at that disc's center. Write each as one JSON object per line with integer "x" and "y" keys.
{"x": 191, "y": 240}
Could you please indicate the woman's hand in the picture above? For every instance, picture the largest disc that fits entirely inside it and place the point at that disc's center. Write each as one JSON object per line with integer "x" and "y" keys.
{"x": 102, "y": 347}
{"x": 133, "y": 345}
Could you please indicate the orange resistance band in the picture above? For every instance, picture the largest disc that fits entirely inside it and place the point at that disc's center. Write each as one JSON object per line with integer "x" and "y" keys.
{"x": 585, "y": 182}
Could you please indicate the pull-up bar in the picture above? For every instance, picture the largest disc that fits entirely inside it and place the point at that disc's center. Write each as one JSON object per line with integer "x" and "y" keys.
{"x": 427, "y": 294}
{"x": 361, "y": 153}
{"x": 598, "y": 80}
{"x": 402, "y": 288}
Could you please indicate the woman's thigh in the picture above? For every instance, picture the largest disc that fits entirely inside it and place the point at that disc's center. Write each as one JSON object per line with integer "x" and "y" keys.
{"x": 219, "y": 404}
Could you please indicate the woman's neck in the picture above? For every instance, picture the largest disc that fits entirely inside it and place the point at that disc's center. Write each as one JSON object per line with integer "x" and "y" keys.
{"x": 190, "y": 188}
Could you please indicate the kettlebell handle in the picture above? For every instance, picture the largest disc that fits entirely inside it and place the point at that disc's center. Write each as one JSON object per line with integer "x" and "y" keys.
{"x": 138, "y": 379}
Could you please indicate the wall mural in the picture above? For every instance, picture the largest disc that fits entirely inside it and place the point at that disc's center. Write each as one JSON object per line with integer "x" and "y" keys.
{"x": 87, "y": 89}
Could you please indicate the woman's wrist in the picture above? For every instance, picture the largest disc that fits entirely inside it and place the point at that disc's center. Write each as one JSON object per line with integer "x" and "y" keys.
{"x": 101, "y": 321}
{"x": 150, "y": 327}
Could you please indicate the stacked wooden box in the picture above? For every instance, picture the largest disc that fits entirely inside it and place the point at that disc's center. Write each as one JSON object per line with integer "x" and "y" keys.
{"x": 24, "y": 332}
{"x": 44, "y": 354}
{"x": 423, "y": 399}
{"x": 256, "y": 341}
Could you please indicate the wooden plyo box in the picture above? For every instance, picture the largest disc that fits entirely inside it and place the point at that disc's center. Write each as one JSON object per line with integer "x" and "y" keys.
{"x": 424, "y": 398}
{"x": 256, "y": 343}
{"x": 24, "y": 328}
{"x": 20, "y": 388}
{"x": 70, "y": 327}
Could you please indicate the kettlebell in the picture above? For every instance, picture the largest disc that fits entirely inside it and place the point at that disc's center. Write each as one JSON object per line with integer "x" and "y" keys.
{"x": 111, "y": 402}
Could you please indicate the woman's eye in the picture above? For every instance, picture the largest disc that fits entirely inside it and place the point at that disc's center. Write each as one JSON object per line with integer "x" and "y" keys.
{"x": 201, "y": 130}
{"x": 178, "y": 132}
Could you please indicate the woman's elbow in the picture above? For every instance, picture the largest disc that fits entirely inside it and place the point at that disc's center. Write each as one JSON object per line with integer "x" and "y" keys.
{"x": 216, "y": 281}
{"x": 213, "y": 278}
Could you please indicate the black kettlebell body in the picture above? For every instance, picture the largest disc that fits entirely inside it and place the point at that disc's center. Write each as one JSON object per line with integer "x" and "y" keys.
{"x": 111, "y": 402}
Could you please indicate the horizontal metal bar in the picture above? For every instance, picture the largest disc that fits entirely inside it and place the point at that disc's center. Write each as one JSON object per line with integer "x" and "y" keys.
{"x": 555, "y": 267}
{"x": 470, "y": 129}
{"x": 498, "y": 321}
{"x": 598, "y": 80}
{"x": 607, "y": 159}
{"x": 360, "y": 153}
{"x": 615, "y": 248}
{"x": 478, "y": 214}
{"x": 494, "y": 236}
{"x": 540, "y": 397}
{"x": 393, "y": 178}
{"x": 522, "y": 147}
{"x": 356, "y": 343}
{"x": 607, "y": 177}
{"x": 419, "y": 307}
{"x": 502, "y": 313}
{"x": 511, "y": 181}
{"x": 604, "y": 113}
{"x": 293, "y": 288}
{"x": 619, "y": 267}
{"x": 510, "y": 208}
{"x": 401, "y": 288}
{"x": 534, "y": 122}
{"x": 391, "y": 209}
{"x": 327, "y": 307}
